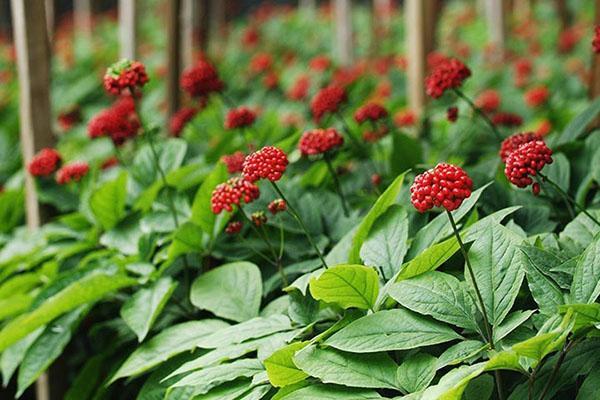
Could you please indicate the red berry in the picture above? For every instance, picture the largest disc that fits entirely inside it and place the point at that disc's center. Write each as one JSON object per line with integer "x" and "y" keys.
{"x": 370, "y": 112}
{"x": 507, "y": 119}
{"x": 319, "y": 141}
{"x": 72, "y": 172}
{"x": 232, "y": 192}
{"x": 201, "y": 80}
{"x": 596, "y": 40}
{"x": 180, "y": 119}
{"x": 452, "y": 114}
{"x": 536, "y": 96}
{"x": 239, "y": 117}
{"x": 513, "y": 142}
{"x": 488, "y": 101}
{"x": 267, "y": 163}
{"x": 44, "y": 163}
{"x": 535, "y": 189}
{"x": 327, "y": 100}
{"x": 447, "y": 74}
{"x": 261, "y": 62}
{"x": 299, "y": 89}
{"x": 234, "y": 162}
{"x": 277, "y": 206}
{"x": 405, "y": 118}
{"x": 526, "y": 161}
{"x": 444, "y": 186}
{"x": 258, "y": 218}
{"x": 233, "y": 227}
{"x": 376, "y": 179}
{"x": 119, "y": 122}
{"x": 125, "y": 75}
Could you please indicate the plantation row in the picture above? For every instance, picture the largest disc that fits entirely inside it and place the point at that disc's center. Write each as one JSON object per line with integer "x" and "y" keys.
{"x": 297, "y": 232}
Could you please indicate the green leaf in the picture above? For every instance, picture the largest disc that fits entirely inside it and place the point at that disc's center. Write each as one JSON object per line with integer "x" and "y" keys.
{"x": 187, "y": 239}
{"x": 354, "y": 370}
{"x": 417, "y": 372}
{"x": 582, "y": 230}
{"x": 12, "y": 356}
{"x": 108, "y": 202}
{"x": 545, "y": 343}
{"x": 386, "y": 244}
{"x": 331, "y": 392}
{"x": 11, "y": 209}
{"x": 232, "y": 291}
{"x": 545, "y": 291}
{"x": 498, "y": 268}
{"x": 439, "y": 295}
{"x": 407, "y": 152}
{"x": 170, "y": 342}
{"x": 47, "y": 347}
{"x": 124, "y": 237}
{"x": 586, "y": 279}
{"x": 396, "y": 329}
{"x": 141, "y": 310}
{"x": 201, "y": 211}
{"x": 87, "y": 290}
{"x": 347, "y": 286}
{"x": 280, "y": 366}
{"x": 429, "y": 260}
{"x": 579, "y": 124}
{"x": 381, "y": 205}
{"x": 590, "y": 389}
{"x": 87, "y": 380}
{"x": 512, "y": 322}
{"x": 207, "y": 378}
{"x": 461, "y": 352}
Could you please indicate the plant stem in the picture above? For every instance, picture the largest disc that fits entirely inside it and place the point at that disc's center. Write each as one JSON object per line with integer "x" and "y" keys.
{"x": 294, "y": 213}
{"x": 568, "y": 198}
{"x": 336, "y": 184}
{"x": 479, "y": 112}
{"x": 486, "y": 322}
{"x": 561, "y": 358}
{"x": 349, "y": 132}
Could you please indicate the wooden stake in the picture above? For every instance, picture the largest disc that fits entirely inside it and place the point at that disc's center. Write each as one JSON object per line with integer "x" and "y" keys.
{"x": 203, "y": 11}
{"x": 188, "y": 14}
{"x": 50, "y": 19}
{"x": 420, "y": 26}
{"x": 174, "y": 56}
{"x": 128, "y": 28}
{"x": 33, "y": 61}
{"x": 217, "y": 22}
{"x": 594, "y": 90}
{"x": 495, "y": 15}
{"x": 83, "y": 16}
{"x": 343, "y": 32}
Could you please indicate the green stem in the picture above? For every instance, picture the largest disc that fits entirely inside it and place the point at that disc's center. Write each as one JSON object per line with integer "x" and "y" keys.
{"x": 561, "y": 358}
{"x": 349, "y": 132}
{"x": 569, "y": 198}
{"x": 479, "y": 112}
{"x": 336, "y": 184}
{"x": 294, "y": 213}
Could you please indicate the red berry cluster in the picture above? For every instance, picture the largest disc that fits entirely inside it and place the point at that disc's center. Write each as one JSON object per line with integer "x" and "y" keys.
{"x": 201, "y": 80}
{"x": 72, "y": 172}
{"x": 119, "y": 122}
{"x": 44, "y": 163}
{"x": 319, "y": 63}
{"x": 444, "y": 186}
{"x": 239, "y": 117}
{"x": 370, "y": 112}
{"x": 319, "y": 141}
{"x": 523, "y": 68}
{"x": 488, "y": 101}
{"x": 405, "y": 118}
{"x": 299, "y": 89}
{"x": 234, "y": 162}
{"x": 125, "y": 75}
{"x": 507, "y": 119}
{"x": 513, "y": 142}
{"x": 180, "y": 119}
{"x": 109, "y": 163}
{"x": 596, "y": 40}
{"x": 70, "y": 118}
{"x": 261, "y": 62}
{"x": 267, "y": 163}
{"x": 452, "y": 114}
{"x": 536, "y": 96}
{"x": 526, "y": 161}
{"x": 327, "y": 100}
{"x": 233, "y": 227}
{"x": 277, "y": 206}
{"x": 373, "y": 136}
{"x": 448, "y": 74}
{"x": 233, "y": 192}
{"x": 258, "y": 218}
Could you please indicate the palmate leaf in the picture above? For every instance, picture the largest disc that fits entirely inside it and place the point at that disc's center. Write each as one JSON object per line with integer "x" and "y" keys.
{"x": 347, "y": 286}
{"x": 232, "y": 291}
{"x": 87, "y": 290}
{"x": 354, "y": 370}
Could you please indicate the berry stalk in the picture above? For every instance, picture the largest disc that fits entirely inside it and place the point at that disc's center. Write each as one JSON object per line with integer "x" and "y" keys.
{"x": 336, "y": 184}
{"x": 479, "y": 112}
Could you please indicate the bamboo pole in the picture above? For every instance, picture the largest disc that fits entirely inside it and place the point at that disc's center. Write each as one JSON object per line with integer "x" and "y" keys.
{"x": 128, "y": 28}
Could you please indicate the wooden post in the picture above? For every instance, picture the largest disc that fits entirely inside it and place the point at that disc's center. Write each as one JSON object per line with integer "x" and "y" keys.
{"x": 420, "y": 26}
{"x": 83, "y": 16}
{"x": 33, "y": 60}
{"x": 344, "y": 45}
{"x": 203, "y": 10}
{"x": 50, "y": 19}
{"x": 564, "y": 14}
{"x": 174, "y": 56}
{"x": 188, "y": 14}
{"x": 308, "y": 5}
{"x": 382, "y": 11}
{"x": 594, "y": 90}
{"x": 216, "y": 25}
{"x": 128, "y": 28}
{"x": 495, "y": 16}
